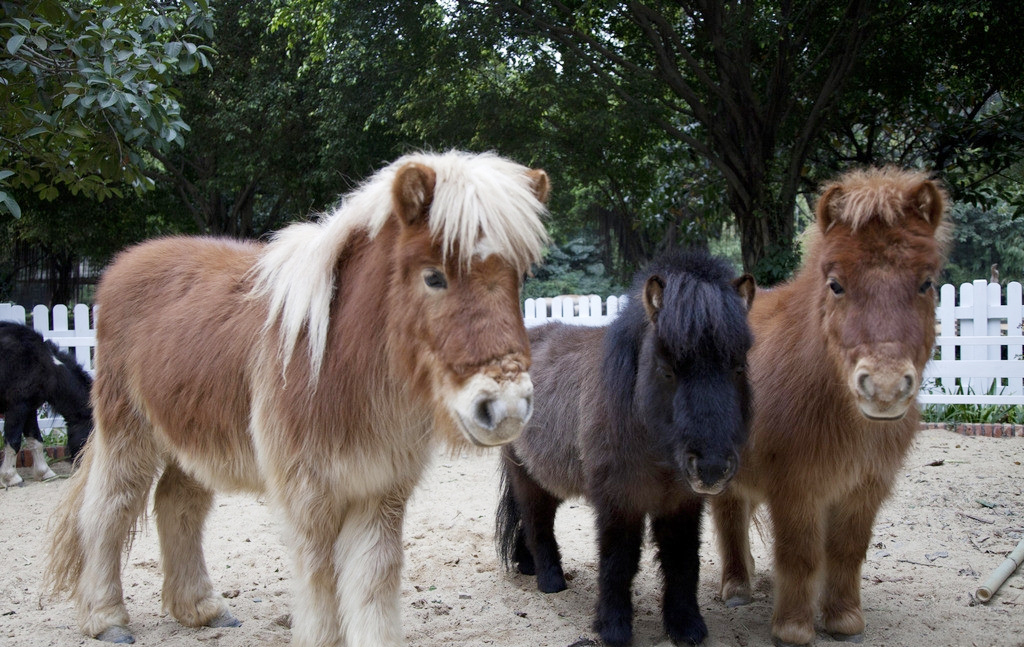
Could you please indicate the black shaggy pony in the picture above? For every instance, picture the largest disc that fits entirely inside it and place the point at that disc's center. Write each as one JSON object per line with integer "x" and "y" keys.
{"x": 642, "y": 418}
{"x": 34, "y": 371}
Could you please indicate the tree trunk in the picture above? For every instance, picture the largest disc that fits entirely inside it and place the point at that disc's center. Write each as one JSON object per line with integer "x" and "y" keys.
{"x": 767, "y": 241}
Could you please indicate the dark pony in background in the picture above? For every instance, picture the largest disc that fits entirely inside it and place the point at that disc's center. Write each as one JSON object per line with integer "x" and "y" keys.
{"x": 34, "y": 371}
{"x": 643, "y": 418}
{"x": 836, "y": 368}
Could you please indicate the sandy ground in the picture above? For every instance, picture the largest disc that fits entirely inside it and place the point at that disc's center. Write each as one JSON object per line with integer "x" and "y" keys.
{"x": 958, "y": 509}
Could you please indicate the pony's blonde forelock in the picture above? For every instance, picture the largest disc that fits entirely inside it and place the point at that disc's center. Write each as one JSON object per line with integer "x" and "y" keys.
{"x": 477, "y": 197}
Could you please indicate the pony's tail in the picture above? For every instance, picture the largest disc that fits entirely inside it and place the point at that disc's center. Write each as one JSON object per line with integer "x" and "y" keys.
{"x": 66, "y": 557}
{"x": 509, "y": 519}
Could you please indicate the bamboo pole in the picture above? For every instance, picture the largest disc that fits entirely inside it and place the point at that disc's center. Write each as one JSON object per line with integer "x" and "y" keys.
{"x": 998, "y": 576}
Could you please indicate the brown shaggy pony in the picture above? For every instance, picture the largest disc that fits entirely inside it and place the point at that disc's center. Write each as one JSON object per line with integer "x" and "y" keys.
{"x": 316, "y": 368}
{"x": 836, "y": 365}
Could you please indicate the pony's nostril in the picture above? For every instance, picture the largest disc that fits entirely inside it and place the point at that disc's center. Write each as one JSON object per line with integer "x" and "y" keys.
{"x": 526, "y": 408}
{"x": 866, "y": 385}
{"x": 484, "y": 413}
{"x": 906, "y": 386}
{"x": 730, "y": 466}
{"x": 691, "y": 464}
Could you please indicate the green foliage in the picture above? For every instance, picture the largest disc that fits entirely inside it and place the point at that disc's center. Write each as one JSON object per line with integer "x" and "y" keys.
{"x": 968, "y": 413}
{"x": 573, "y": 268}
{"x": 981, "y": 238}
{"x": 86, "y": 88}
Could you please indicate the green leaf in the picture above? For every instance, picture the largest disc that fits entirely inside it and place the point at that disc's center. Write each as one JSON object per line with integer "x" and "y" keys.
{"x": 11, "y": 204}
{"x": 14, "y": 43}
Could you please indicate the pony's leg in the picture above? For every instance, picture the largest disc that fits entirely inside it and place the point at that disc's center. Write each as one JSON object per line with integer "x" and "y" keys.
{"x": 181, "y": 505}
{"x": 34, "y": 443}
{"x": 114, "y": 495}
{"x": 847, "y": 539}
{"x": 678, "y": 539}
{"x": 619, "y": 536}
{"x": 731, "y": 514}
{"x": 9, "y": 476}
{"x": 315, "y": 524}
{"x": 40, "y": 468}
{"x": 368, "y": 554}
{"x": 799, "y": 552}
{"x": 538, "y": 508}
{"x": 15, "y": 423}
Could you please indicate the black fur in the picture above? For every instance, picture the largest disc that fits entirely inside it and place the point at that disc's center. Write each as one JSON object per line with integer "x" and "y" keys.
{"x": 629, "y": 416}
{"x": 29, "y": 376}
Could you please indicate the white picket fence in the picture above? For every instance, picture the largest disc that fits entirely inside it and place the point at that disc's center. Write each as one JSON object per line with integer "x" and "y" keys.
{"x": 978, "y": 359}
{"x": 979, "y": 356}
{"x": 979, "y": 351}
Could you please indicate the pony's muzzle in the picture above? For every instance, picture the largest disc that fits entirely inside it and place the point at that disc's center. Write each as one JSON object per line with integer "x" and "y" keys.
{"x": 492, "y": 412}
{"x": 710, "y": 475}
{"x": 884, "y": 390}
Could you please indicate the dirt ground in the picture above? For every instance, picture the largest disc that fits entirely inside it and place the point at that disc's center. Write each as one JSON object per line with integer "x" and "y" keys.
{"x": 958, "y": 509}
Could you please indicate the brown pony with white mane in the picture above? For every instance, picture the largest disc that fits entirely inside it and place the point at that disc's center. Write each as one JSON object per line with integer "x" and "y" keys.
{"x": 316, "y": 368}
{"x": 836, "y": 365}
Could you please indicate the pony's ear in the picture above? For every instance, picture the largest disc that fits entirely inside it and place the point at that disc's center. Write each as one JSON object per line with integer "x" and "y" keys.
{"x": 654, "y": 291}
{"x": 929, "y": 201}
{"x": 540, "y": 184}
{"x": 746, "y": 287}
{"x": 413, "y": 191}
{"x": 825, "y": 206}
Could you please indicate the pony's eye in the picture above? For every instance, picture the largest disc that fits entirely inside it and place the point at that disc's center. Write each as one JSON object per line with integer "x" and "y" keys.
{"x": 435, "y": 279}
{"x": 740, "y": 368}
{"x": 926, "y": 286}
{"x": 835, "y": 287}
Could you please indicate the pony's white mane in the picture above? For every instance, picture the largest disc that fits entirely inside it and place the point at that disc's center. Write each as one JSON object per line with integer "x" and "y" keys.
{"x": 480, "y": 201}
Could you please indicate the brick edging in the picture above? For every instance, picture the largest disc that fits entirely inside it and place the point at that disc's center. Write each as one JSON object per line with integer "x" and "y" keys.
{"x": 55, "y": 453}
{"x": 988, "y": 430}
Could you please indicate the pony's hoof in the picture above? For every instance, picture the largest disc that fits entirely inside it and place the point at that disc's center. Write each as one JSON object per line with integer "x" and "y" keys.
{"x": 848, "y": 638}
{"x": 551, "y": 583}
{"x": 738, "y": 601}
{"x": 614, "y": 633}
{"x": 224, "y": 620}
{"x": 693, "y": 633}
{"x": 782, "y": 643}
{"x": 117, "y": 634}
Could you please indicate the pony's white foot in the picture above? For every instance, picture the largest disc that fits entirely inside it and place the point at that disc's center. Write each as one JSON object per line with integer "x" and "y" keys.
{"x": 8, "y": 472}
{"x": 45, "y": 475}
{"x": 211, "y": 611}
{"x": 10, "y": 479}
{"x": 117, "y": 634}
{"x": 40, "y": 468}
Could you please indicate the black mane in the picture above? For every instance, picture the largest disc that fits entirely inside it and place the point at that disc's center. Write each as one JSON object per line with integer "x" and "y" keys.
{"x": 694, "y": 321}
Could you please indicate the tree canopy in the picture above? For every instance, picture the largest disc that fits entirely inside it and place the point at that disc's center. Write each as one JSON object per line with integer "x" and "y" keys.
{"x": 87, "y": 88}
{"x": 660, "y": 123}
